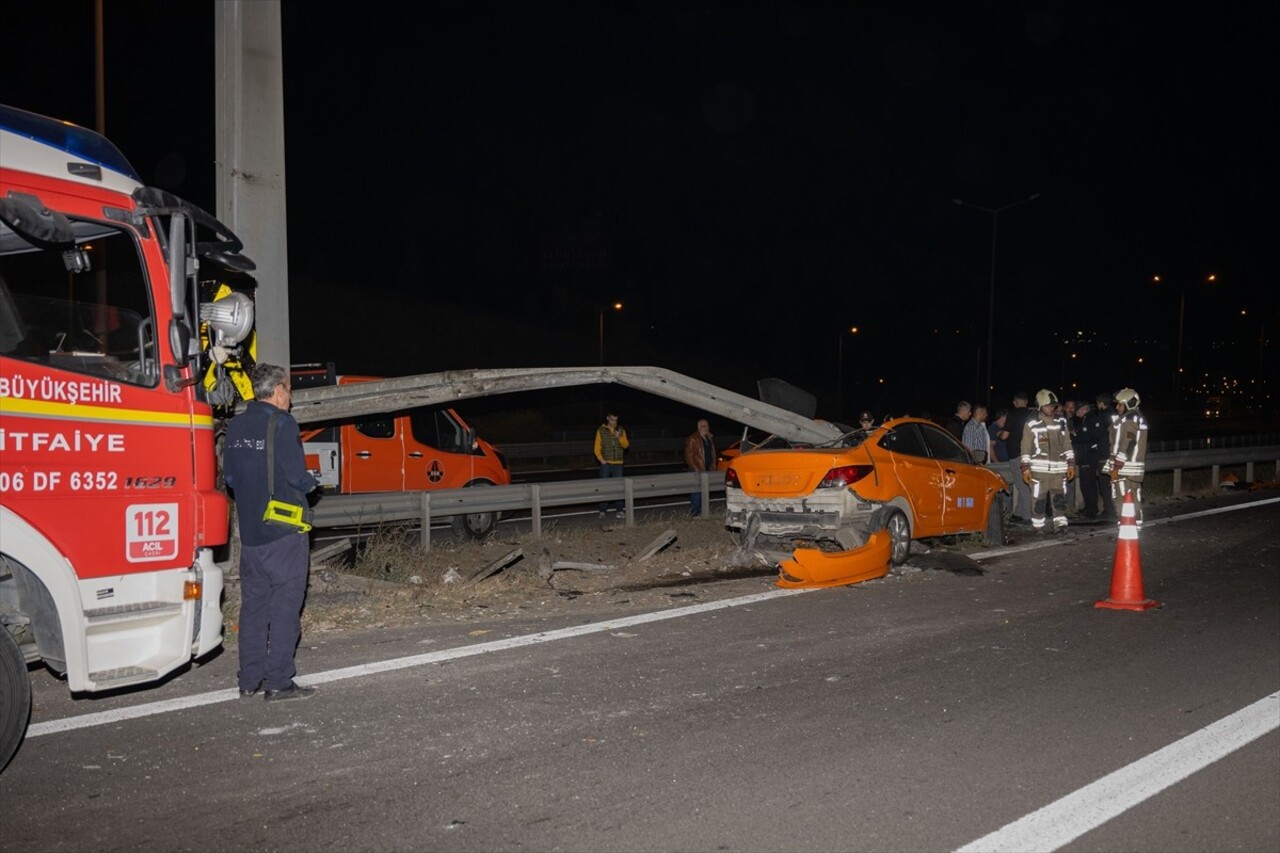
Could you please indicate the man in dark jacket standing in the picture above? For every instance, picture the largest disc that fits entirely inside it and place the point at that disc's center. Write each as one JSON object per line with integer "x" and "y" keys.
{"x": 957, "y": 422}
{"x": 263, "y": 460}
{"x": 1013, "y": 424}
{"x": 1090, "y": 443}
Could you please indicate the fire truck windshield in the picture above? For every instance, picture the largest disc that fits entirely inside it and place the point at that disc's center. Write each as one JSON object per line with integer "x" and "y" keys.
{"x": 85, "y": 309}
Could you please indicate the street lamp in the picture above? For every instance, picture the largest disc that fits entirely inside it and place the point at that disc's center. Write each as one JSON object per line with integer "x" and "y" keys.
{"x": 853, "y": 330}
{"x": 991, "y": 297}
{"x": 1182, "y": 316}
{"x": 617, "y": 306}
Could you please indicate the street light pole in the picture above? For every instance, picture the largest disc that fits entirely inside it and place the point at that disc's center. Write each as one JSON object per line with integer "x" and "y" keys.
{"x": 1182, "y": 316}
{"x": 991, "y": 295}
{"x": 617, "y": 306}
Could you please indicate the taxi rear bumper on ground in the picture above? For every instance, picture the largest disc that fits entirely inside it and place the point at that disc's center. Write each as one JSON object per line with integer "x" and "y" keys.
{"x": 810, "y": 567}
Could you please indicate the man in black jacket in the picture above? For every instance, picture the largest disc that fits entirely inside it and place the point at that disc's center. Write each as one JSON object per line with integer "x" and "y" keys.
{"x": 1014, "y": 422}
{"x": 1090, "y": 443}
{"x": 263, "y": 460}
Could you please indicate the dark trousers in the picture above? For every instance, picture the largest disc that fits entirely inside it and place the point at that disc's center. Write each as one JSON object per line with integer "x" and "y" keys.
{"x": 607, "y": 471}
{"x": 1089, "y": 494}
{"x": 695, "y": 498}
{"x": 273, "y": 585}
{"x": 1102, "y": 474}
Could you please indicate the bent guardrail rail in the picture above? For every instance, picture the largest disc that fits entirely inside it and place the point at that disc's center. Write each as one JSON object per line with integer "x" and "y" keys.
{"x": 368, "y": 510}
{"x": 338, "y": 402}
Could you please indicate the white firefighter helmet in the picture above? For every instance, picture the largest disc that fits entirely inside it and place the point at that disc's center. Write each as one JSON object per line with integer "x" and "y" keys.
{"x": 1128, "y": 397}
{"x": 1045, "y": 397}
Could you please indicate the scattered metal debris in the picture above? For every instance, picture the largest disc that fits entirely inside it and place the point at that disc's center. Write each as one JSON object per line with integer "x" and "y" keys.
{"x": 663, "y": 539}
{"x": 497, "y": 565}
{"x": 580, "y": 567}
{"x": 329, "y": 551}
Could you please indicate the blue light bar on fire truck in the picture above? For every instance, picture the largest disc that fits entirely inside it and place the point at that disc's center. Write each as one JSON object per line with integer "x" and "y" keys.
{"x": 77, "y": 141}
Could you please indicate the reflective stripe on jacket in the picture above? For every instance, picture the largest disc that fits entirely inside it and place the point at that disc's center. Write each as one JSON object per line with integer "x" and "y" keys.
{"x": 1129, "y": 445}
{"x": 1046, "y": 446}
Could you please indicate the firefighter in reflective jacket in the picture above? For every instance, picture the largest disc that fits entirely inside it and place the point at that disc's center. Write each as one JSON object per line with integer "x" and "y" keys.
{"x": 1127, "y": 451}
{"x": 1048, "y": 463}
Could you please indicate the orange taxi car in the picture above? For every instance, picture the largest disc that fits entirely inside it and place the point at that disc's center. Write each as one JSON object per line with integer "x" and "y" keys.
{"x": 905, "y": 479}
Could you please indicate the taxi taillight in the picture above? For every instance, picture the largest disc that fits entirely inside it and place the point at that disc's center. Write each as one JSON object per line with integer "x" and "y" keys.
{"x": 845, "y": 475}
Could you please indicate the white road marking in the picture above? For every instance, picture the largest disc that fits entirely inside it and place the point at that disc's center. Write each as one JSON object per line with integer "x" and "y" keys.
{"x": 102, "y": 718}
{"x": 1046, "y": 829}
{"x": 1060, "y": 823}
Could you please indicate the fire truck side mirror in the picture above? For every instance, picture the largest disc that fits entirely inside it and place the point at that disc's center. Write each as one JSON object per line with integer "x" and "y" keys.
{"x": 179, "y": 340}
{"x": 178, "y": 273}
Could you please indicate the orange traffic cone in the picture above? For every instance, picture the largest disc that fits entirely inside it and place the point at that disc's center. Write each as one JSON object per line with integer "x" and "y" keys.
{"x": 1126, "y": 572}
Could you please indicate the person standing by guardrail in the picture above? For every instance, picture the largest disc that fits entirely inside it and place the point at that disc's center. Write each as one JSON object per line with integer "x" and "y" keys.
{"x": 1015, "y": 420}
{"x": 610, "y": 445}
{"x": 1068, "y": 410}
{"x": 1126, "y": 460}
{"x": 699, "y": 456}
{"x": 976, "y": 437}
{"x": 1048, "y": 462}
{"x": 1090, "y": 445}
{"x": 264, "y": 461}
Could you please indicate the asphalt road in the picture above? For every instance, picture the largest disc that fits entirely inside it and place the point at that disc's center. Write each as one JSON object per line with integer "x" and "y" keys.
{"x": 977, "y": 705}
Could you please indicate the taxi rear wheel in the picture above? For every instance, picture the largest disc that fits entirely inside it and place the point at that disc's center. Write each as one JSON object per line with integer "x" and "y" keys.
{"x": 896, "y": 525}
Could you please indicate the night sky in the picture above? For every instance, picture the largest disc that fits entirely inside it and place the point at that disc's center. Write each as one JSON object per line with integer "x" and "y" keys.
{"x": 470, "y": 188}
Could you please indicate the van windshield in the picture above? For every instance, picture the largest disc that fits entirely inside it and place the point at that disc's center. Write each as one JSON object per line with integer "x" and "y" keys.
{"x": 436, "y": 427}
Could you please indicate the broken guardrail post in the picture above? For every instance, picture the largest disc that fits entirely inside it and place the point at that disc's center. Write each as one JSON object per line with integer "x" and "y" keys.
{"x": 664, "y": 539}
{"x": 497, "y": 565}
{"x": 535, "y": 509}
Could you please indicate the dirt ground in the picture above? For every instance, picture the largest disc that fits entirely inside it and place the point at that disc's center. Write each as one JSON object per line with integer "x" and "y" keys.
{"x": 592, "y": 569}
{"x": 662, "y": 562}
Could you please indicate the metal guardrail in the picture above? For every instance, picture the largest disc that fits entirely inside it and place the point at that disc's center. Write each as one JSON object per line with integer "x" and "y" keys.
{"x": 568, "y": 449}
{"x": 675, "y": 446}
{"x": 1180, "y": 460}
{"x": 368, "y": 510}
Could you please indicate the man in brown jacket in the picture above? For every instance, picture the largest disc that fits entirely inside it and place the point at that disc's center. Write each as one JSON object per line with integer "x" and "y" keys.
{"x": 699, "y": 456}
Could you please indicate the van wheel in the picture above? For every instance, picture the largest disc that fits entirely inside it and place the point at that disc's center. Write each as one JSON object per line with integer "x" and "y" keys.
{"x": 15, "y": 696}
{"x": 477, "y": 525}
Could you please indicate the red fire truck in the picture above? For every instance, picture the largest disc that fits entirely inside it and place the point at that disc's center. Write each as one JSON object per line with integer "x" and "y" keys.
{"x": 109, "y": 507}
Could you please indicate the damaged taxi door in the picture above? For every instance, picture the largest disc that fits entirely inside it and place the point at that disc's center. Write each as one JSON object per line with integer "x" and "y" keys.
{"x": 963, "y": 485}
{"x": 920, "y": 475}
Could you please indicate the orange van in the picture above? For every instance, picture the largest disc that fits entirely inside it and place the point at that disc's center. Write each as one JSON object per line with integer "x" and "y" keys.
{"x": 419, "y": 449}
